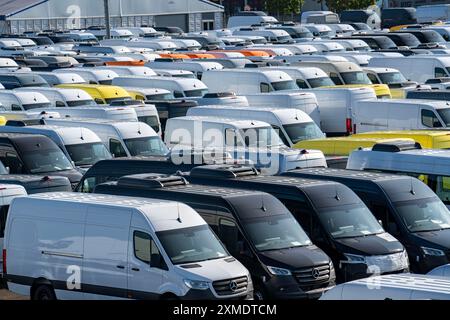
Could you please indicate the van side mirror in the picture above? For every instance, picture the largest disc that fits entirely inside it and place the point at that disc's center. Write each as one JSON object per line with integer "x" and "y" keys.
{"x": 8, "y": 170}
{"x": 380, "y": 222}
{"x": 156, "y": 261}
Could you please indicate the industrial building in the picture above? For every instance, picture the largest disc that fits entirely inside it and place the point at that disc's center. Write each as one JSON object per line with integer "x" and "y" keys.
{"x": 18, "y": 16}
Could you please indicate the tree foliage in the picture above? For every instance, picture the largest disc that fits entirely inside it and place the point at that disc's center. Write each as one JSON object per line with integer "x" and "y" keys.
{"x": 340, "y": 5}
{"x": 283, "y": 7}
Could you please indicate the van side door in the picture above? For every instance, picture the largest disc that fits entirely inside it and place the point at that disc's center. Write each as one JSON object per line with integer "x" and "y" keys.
{"x": 145, "y": 277}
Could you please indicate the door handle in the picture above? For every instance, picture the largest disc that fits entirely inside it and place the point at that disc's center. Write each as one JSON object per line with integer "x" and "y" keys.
{"x": 120, "y": 267}
{"x": 135, "y": 269}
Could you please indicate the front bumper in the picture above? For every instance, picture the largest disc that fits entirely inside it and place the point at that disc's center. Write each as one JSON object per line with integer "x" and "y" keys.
{"x": 354, "y": 271}
{"x": 286, "y": 287}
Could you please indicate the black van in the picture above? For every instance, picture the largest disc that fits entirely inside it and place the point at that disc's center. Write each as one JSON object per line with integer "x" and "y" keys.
{"x": 403, "y": 39}
{"x": 113, "y": 169}
{"x": 375, "y": 42}
{"x": 408, "y": 208}
{"x": 19, "y": 80}
{"x": 429, "y": 94}
{"x": 36, "y": 155}
{"x": 391, "y": 17}
{"x": 425, "y": 36}
{"x": 255, "y": 227}
{"x": 330, "y": 213}
{"x": 34, "y": 183}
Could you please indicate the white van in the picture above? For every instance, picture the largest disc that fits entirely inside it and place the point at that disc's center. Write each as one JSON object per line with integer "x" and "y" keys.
{"x": 292, "y": 60}
{"x": 54, "y": 79}
{"x": 7, "y": 193}
{"x": 418, "y": 68}
{"x": 392, "y": 287}
{"x": 148, "y": 94}
{"x": 177, "y": 73}
{"x": 62, "y": 98}
{"x": 271, "y": 35}
{"x": 21, "y": 100}
{"x": 96, "y": 112}
{"x": 122, "y": 139}
{"x": 243, "y": 82}
{"x": 196, "y": 67}
{"x": 88, "y": 246}
{"x": 299, "y": 100}
{"x": 433, "y": 13}
{"x": 292, "y": 125}
{"x": 400, "y": 114}
{"x": 180, "y": 87}
{"x": 91, "y": 75}
{"x": 129, "y": 70}
{"x": 336, "y": 106}
{"x": 82, "y": 146}
{"x": 250, "y": 140}
{"x": 442, "y": 271}
{"x": 306, "y": 77}
{"x": 247, "y": 20}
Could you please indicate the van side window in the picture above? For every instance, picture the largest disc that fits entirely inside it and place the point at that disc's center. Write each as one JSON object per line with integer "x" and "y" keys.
{"x": 178, "y": 94}
{"x": 16, "y": 107}
{"x": 302, "y": 84}
{"x": 142, "y": 246}
{"x": 60, "y": 104}
{"x": 229, "y": 235}
{"x": 281, "y": 134}
{"x": 429, "y": 119}
{"x": 373, "y": 78}
{"x": 88, "y": 185}
{"x": 439, "y": 72}
{"x": 13, "y": 162}
{"x": 264, "y": 87}
{"x": 335, "y": 78}
{"x": 99, "y": 101}
{"x": 116, "y": 148}
{"x": 3, "y": 213}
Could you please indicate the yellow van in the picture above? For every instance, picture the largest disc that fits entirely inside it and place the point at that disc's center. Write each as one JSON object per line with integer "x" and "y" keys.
{"x": 341, "y": 146}
{"x": 429, "y": 139}
{"x": 102, "y": 94}
{"x": 2, "y": 121}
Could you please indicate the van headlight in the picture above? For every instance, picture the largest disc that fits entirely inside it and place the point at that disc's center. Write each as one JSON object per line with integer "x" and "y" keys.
{"x": 279, "y": 271}
{"x": 196, "y": 284}
{"x": 355, "y": 258}
{"x": 432, "y": 252}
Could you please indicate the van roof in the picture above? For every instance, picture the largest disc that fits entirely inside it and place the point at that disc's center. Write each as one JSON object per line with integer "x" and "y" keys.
{"x": 68, "y": 94}
{"x": 436, "y": 104}
{"x": 236, "y": 122}
{"x": 352, "y": 174}
{"x": 185, "y": 83}
{"x": 306, "y": 72}
{"x": 341, "y": 66}
{"x": 380, "y": 69}
{"x": 26, "y": 97}
{"x": 272, "y": 75}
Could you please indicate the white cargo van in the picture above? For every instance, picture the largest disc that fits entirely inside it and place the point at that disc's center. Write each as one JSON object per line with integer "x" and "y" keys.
{"x": 400, "y": 114}
{"x": 304, "y": 101}
{"x": 82, "y": 146}
{"x": 62, "y": 98}
{"x": 129, "y": 70}
{"x": 418, "y": 68}
{"x": 177, "y": 73}
{"x": 91, "y": 75}
{"x": 433, "y": 13}
{"x": 306, "y": 77}
{"x": 20, "y": 101}
{"x": 7, "y": 193}
{"x": 250, "y": 140}
{"x": 122, "y": 139}
{"x": 242, "y": 81}
{"x": 292, "y": 125}
{"x": 392, "y": 287}
{"x": 54, "y": 79}
{"x": 336, "y": 106}
{"x": 196, "y": 67}
{"x": 248, "y": 20}
{"x": 148, "y": 94}
{"x": 442, "y": 271}
{"x": 180, "y": 87}
{"x": 97, "y": 112}
{"x": 86, "y": 246}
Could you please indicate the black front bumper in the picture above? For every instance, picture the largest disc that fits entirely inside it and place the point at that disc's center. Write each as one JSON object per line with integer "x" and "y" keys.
{"x": 286, "y": 287}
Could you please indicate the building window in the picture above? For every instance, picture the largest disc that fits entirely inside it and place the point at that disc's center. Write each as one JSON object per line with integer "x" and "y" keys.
{"x": 208, "y": 25}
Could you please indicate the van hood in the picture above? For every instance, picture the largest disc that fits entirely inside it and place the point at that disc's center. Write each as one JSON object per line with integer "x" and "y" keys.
{"x": 73, "y": 175}
{"x": 440, "y": 237}
{"x": 38, "y": 184}
{"x": 377, "y": 244}
{"x": 212, "y": 270}
{"x": 294, "y": 258}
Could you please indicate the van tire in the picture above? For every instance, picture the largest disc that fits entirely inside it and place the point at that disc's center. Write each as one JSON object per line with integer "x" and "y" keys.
{"x": 43, "y": 292}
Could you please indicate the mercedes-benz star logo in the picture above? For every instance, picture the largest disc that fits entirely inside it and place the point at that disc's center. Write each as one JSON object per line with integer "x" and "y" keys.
{"x": 233, "y": 286}
{"x": 315, "y": 273}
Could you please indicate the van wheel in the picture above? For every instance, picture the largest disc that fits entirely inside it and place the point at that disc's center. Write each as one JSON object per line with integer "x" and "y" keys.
{"x": 44, "y": 292}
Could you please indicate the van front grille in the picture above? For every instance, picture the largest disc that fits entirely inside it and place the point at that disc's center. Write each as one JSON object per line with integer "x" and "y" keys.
{"x": 311, "y": 278}
{"x": 230, "y": 287}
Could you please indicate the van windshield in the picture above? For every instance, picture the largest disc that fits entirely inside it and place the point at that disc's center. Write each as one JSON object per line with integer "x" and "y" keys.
{"x": 349, "y": 221}
{"x": 355, "y": 77}
{"x": 111, "y": 100}
{"x": 392, "y": 77}
{"x": 49, "y": 160}
{"x": 320, "y": 82}
{"x": 429, "y": 214}
{"x": 275, "y": 233}
{"x": 195, "y": 93}
{"x": 261, "y": 137}
{"x": 163, "y": 96}
{"x": 194, "y": 244}
{"x": 87, "y": 154}
{"x": 445, "y": 115}
{"x": 36, "y": 106}
{"x": 146, "y": 146}
{"x": 78, "y": 103}
{"x": 284, "y": 85}
{"x": 152, "y": 121}
{"x": 303, "y": 131}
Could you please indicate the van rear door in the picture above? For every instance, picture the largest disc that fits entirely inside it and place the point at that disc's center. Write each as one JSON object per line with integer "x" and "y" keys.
{"x": 106, "y": 252}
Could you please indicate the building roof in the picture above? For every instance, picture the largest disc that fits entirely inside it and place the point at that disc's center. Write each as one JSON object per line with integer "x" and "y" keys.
{"x": 11, "y": 7}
